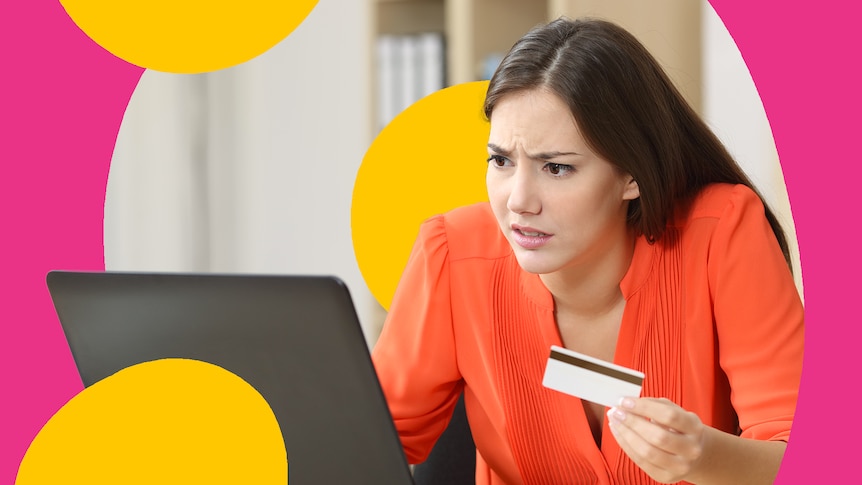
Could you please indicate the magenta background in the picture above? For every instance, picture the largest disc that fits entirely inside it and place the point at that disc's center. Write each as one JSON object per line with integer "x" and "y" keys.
{"x": 63, "y": 98}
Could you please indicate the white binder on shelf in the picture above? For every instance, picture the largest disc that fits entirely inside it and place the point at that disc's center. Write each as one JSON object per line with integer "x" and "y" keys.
{"x": 409, "y": 68}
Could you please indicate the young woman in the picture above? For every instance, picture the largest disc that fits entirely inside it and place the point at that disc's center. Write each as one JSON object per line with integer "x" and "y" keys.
{"x": 618, "y": 226}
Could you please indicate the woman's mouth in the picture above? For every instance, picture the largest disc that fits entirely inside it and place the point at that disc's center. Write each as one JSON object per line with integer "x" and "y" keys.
{"x": 529, "y": 238}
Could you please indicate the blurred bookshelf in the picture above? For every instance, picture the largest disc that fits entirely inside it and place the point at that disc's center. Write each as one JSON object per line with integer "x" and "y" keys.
{"x": 421, "y": 46}
{"x": 465, "y": 40}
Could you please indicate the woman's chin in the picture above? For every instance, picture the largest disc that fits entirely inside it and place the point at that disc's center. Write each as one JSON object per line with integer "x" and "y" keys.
{"x": 532, "y": 264}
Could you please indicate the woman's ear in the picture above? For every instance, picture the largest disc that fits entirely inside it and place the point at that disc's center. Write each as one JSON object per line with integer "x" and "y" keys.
{"x": 631, "y": 191}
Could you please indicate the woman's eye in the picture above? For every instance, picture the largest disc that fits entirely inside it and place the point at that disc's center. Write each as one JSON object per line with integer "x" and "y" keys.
{"x": 497, "y": 160}
{"x": 558, "y": 168}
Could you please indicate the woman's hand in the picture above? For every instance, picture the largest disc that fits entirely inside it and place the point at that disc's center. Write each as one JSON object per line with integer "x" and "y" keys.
{"x": 665, "y": 440}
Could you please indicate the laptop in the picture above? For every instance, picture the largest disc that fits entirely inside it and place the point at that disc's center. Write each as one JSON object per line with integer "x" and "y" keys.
{"x": 295, "y": 339}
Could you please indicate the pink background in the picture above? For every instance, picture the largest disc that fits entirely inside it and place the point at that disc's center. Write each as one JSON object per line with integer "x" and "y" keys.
{"x": 63, "y": 99}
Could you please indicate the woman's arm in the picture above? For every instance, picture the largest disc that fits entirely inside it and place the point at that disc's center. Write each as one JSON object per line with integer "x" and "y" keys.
{"x": 671, "y": 444}
{"x": 415, "y": 354}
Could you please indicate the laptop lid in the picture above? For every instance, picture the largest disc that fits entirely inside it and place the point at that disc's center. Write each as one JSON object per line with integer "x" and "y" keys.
{"x": 295, "y": 339}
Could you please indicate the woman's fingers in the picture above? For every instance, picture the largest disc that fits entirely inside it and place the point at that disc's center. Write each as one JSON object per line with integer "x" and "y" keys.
{"x": 664, "y": 412}
{"x": 659, "y": 436}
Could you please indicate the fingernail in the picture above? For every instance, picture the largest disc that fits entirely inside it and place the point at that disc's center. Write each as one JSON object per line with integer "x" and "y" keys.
{"x": 616, "y": 414}
{"x": 627, "y": 402}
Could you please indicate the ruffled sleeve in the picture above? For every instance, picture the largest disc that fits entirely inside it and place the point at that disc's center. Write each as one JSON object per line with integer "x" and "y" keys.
{"x": 415, "y": 354}
{"x": 758, "y": 317}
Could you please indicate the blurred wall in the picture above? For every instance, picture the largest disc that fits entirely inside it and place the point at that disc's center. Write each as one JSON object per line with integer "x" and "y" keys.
{"x": 249, "y": 169}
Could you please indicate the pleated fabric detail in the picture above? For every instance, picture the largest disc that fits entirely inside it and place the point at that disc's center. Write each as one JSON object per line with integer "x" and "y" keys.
{"x": 657, "y": 345}
{"x": 537, "y": 425}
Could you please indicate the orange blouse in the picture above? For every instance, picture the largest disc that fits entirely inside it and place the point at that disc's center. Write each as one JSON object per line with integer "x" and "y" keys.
{"x": 714, "y": 321}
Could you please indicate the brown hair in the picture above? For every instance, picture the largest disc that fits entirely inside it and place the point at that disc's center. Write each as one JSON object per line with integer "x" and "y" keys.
{"x": 628, "y": 111}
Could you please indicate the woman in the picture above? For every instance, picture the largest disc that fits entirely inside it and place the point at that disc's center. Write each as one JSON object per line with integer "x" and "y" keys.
{"x": 618, "y": 226}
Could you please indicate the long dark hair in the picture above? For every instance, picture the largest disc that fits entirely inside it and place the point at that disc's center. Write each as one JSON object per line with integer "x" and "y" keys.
{"x": 629, "y": 112}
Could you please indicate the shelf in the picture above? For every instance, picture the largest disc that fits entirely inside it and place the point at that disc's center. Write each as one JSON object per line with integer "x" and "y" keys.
{"x": 406, "y": 17}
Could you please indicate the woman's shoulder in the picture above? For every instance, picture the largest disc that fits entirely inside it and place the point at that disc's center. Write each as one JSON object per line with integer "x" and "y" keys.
{"x": 720, "y": 200}
{"x": 468, "y": 232}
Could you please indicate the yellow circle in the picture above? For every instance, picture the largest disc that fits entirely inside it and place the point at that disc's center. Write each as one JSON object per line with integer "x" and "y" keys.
{"x": 430, "y": 159}
{"x": 187, "y": 36}
{"x": 171, "y": 421}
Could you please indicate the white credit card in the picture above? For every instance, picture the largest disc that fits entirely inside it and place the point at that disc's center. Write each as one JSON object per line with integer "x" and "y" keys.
{"x": 589, "y": 378}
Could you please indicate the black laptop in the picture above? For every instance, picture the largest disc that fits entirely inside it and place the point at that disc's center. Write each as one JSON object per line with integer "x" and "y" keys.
{"x": 295, "y": 339}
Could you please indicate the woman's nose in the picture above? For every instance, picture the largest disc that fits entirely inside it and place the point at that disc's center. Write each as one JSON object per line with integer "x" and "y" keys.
{"x": 524, "y": 195}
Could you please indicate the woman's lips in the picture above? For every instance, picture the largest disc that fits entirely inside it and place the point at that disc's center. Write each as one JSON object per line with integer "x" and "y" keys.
{"x": 528, "y": 237}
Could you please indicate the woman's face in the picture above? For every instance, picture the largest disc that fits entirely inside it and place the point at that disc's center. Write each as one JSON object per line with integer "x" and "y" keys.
{"x": 558, "y": 203}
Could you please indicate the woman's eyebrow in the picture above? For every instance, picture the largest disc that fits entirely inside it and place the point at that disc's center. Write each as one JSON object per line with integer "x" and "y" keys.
{"x": 550, "y": 155}
{"x": 499, "y": 150}
{"x": 538, "y": 156}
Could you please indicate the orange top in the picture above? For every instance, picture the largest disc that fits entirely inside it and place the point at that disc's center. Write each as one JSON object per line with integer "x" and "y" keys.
{"x": 715, "y": 322}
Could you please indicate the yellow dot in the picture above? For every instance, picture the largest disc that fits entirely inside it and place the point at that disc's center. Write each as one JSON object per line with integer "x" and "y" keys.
{"x": 187, "y": 36}
{"x": 171, "y": 421}
{"x": 430, "y": 159}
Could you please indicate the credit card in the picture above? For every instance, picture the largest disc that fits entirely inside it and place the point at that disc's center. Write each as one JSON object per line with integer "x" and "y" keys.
{"x": 589, "y": 378}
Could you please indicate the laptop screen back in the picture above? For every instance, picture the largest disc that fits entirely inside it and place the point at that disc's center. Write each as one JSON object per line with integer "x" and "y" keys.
{"x": 295, "y": 339}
